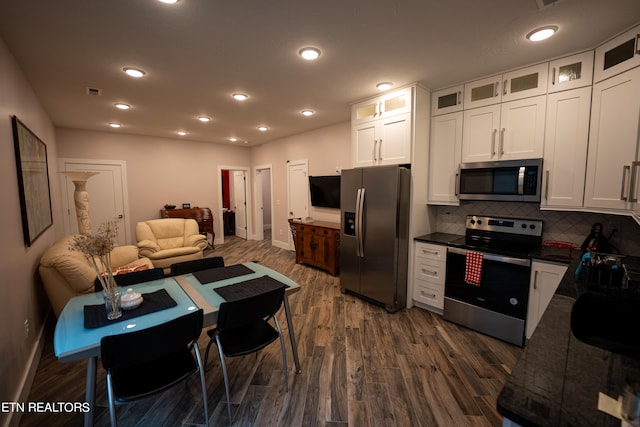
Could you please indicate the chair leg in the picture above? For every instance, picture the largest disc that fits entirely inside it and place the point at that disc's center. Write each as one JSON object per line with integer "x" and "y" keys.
{"x": 284, "y": 354}
{"x": 112, "y": 404}
{"x": 206, "y": 353}
{"x": 203, "y": 383}
{"x": 226, "y": 379}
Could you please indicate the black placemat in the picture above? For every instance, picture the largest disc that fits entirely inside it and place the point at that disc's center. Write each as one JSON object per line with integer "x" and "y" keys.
{"x": 221, "y": 273}
{"x": 96, "y": 315}
{"x": 248, "y": 288}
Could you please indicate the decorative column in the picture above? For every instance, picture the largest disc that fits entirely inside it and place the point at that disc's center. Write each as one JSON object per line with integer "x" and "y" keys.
{"x": 81, "y": 198}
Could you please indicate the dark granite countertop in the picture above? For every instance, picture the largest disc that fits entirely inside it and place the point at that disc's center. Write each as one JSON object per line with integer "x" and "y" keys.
{"x": 558, "y": 378}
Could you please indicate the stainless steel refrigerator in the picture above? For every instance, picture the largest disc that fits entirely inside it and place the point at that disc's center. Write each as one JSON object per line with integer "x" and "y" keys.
{"x": 374, "y": 240}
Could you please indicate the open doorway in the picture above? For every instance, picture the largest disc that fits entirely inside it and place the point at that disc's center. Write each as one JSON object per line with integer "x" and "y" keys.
{"x": 263, "y": 212}
{"x": 234, "y": 202}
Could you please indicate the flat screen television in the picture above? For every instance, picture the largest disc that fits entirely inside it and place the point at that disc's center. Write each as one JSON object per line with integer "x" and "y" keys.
{"x": 325, "y": 191}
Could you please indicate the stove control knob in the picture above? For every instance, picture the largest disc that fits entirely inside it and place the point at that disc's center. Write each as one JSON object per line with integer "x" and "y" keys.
{"x": 532, "y": 226}
{"x": 479, "y": 221}
{"x": 523, "y": 225}
{"x": 473, "y": 221}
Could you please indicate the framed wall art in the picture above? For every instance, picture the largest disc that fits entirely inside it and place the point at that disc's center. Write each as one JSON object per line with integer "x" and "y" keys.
{"x": 33, "y": 181}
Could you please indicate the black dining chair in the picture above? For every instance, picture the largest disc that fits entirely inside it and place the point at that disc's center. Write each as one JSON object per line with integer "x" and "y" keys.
{"x": 127, "y": 279}
{"x": 196, "y": 265}
{"x": 243, "y": 327}
{"x": 142, "y": 363}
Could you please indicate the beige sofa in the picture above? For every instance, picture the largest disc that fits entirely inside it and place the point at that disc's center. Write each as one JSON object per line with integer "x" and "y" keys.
{"x": 170, "y": 240}
{"x": 66, "y": 273}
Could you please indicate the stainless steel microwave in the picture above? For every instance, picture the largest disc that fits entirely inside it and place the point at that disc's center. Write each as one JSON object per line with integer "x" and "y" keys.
{"x": 509, "y": 180}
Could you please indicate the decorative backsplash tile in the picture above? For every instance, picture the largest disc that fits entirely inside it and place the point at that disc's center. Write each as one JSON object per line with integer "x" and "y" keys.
{"x": 561, "y": 226}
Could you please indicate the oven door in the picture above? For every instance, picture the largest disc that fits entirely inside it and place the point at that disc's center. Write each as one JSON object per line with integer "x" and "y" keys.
{"x": 504, "y": 287}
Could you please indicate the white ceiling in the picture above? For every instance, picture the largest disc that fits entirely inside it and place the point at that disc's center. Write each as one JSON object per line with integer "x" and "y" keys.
{"x": 197, "y": 52}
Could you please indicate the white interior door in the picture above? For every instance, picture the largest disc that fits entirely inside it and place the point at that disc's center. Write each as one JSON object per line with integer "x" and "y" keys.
{"x": 107, "y": 196}
{"x": 298, "y": 184}
{"x": 240, "y": 202}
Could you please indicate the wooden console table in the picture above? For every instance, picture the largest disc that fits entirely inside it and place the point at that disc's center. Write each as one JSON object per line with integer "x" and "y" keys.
{"x": 317, "y": 243}
{"x": 203, "y": 217}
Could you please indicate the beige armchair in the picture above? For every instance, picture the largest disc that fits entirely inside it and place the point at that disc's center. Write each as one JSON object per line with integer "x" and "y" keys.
{"x": 66, "y": 273}
{"x": 170, "y": 240}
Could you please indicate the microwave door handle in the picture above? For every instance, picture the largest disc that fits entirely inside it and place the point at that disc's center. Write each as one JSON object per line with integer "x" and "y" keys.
{"x": 521, "y": 180}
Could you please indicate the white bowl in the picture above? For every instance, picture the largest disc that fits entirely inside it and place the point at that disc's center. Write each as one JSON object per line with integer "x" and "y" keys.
{"x": 130, "y": 300}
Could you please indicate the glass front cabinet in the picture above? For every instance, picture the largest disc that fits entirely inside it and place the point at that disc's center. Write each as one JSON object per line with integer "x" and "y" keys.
{"x": 571, "y": 72}
{"x": 619, "y": 54}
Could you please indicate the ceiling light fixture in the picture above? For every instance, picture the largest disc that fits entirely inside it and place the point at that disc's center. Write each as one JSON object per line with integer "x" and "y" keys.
{"x": 240, "y": 96}
{"x": 233, "y": 139}
{"x": 307, "y": 112}
{"x": 122, "y": 106}
{"x": 262, "y": 128}
{"x": 134, "y": 72}
{"x": 384, "y": 85}
{"x": 169, "y": 1}
{"x": 115, "y": 125}
{"x": 542, "y": 33}
{"x": 181, "y": 133}
{"x": 204, "y": 119}
{"x": 309, "y": 53}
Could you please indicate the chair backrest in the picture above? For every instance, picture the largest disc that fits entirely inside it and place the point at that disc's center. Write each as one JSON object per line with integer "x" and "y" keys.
{"x": 142, "y": 346}
{"x": 196, "y": 265}
{"x": 127, "y": 279}
{"x": 233, "y": 314}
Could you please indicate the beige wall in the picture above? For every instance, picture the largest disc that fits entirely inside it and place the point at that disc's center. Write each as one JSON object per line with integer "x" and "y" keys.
{"x": 325, "y": 149}
{"x": 21, "y": 296}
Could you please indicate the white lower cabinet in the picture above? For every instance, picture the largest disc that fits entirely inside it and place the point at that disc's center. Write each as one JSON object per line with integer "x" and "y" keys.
{"x": 545, "y": 279}
{"x": 429, "y": 274}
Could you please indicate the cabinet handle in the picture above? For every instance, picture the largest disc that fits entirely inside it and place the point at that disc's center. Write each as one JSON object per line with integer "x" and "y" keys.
{"x": 426, "y": 251}
{"x": 459, "y": 97}
{"x": 501, "y": 146}
{"x": 497, "y": 89}
{"x": 377, "y": 110}
{"x": 632, "y": 185}
{"x": 553, "y": 76}
{"x": 546, "y": 184}
{"x": 457, "y": 184}
{"x": 535, "y": 280}
{"x": 380, "y": 149}
{"x": 493, "y": 143}
{"x": 637, "y": 43}
{"x": 424, "y": 294}
{"x": 625, "y": 168}
{"x": 429, "y": 272}
{"x": 504, "y": 87}
{"x": 375, "y": 142}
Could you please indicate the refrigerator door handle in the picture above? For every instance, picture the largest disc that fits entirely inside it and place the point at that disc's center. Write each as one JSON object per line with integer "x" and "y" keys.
{"x": 359, "y": 223}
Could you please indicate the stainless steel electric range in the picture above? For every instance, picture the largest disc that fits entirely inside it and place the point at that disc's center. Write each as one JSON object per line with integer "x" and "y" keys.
{"x": 497, "y": 304}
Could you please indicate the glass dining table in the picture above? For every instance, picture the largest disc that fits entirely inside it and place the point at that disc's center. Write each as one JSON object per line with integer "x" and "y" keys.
{"x": 73, "y": 341}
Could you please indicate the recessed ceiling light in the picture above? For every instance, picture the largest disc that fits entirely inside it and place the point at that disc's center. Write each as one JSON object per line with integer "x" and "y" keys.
{"x": 169, "y": 1}
{"x": 309, "y": 53}
{"x": 307, "y": 112}
{"x": 122, "y": 106}
{"x": 115, "y": 125}
{"x": 384, "y": 85}
{"x": 204, "y": 119}
{"x": 181, "y": 133}
{"x": 240, "y": 96}
{"x": 262, "y": 128}
{"x": 542, "y": 33}
{"x": 232, "y": 139}
{"x": 134, "y": 72}
{"x": 246, "y": 142}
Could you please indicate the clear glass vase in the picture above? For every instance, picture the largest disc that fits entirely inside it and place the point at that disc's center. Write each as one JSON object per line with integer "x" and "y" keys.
{"x": 112, "y": 295}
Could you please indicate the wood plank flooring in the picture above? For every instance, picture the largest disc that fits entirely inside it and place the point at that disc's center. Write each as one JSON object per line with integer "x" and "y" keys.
{"x": 360, "y": 367}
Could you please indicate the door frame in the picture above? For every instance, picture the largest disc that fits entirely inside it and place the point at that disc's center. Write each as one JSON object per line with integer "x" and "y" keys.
{"x": 258, "y": 197}
{"x": 125, "y": 190}
{"x": 248, "y": 186}
{"x": 291, "y": 163}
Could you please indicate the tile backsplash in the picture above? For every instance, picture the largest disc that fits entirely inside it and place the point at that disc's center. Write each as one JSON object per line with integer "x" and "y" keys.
{"x": 560, "y": 226}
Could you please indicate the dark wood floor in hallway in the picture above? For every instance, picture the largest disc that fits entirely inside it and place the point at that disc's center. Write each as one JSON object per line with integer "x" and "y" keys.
{"x": 361, "y": 366}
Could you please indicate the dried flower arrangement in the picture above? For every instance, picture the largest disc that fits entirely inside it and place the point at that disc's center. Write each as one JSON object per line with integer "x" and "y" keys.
{"x": 97, "y": 248}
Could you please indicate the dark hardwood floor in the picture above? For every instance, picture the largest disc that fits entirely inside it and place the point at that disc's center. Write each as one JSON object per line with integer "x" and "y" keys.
{"x": 360, "y": 367}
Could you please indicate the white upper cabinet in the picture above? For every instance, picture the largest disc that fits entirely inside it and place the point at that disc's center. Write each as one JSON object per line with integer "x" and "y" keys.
{"x": 612, "y": 173}
{"x": 447, "y": 100}
{"x": 445, "y": 151}
{"x": 518, "y": 84}
{"x": 618, "y": 55}
{"x": 565, "y": 148}
{"x": 571, "y": 72}
{"x": 387, "y": 105}
{"x": 508, "y": 131}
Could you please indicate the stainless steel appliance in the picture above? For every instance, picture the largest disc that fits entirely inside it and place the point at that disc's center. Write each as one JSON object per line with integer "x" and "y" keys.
{"x": 374, "y": 240}
{"x": 498, "y": 305}
{"x": 511, "y": 180}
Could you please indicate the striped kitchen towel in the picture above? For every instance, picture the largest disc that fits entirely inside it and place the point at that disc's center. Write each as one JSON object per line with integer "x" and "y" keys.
{"x": 473, "y": 269}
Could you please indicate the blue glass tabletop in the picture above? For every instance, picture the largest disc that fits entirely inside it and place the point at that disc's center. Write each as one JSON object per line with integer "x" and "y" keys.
{"x": 73, "y": 342}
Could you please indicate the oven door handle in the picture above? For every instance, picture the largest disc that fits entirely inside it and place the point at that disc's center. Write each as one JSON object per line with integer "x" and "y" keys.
{"x": 493, "y": 257}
